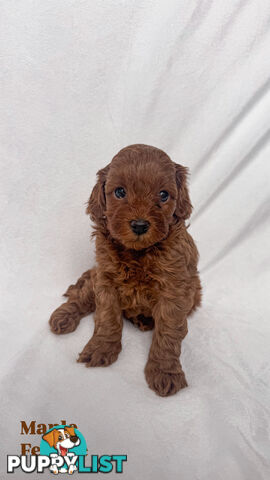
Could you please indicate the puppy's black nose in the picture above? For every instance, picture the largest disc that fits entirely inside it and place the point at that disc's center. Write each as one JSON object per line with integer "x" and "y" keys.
{"x": 139, "y": 226}
{"x": 74, "y": 439}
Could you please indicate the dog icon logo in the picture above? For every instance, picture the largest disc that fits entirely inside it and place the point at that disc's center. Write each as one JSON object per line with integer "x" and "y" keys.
{"x": 61, "y": 440}
{"x": 63, "y": 449}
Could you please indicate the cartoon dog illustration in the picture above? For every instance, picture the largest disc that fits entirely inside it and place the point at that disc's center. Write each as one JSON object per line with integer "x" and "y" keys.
{"x": 62, "y": 440}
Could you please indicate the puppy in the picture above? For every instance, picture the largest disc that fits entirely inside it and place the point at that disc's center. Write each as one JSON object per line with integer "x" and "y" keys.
{"x": 146, "y": 264}
{"x": 62, "y": 440}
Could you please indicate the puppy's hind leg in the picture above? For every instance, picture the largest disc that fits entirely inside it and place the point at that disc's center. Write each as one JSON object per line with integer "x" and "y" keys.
{"x": 81, "y": 302}
{"x": 142, "y": 322}
{"x": 197, "y": 296}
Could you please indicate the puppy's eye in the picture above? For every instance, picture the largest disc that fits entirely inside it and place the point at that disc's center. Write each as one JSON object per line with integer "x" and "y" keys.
{"x": 120, "y": 192}
{"x": 67, "y": 435}
{"x": 163, "y": 195}
{"x": 60, "y": 437}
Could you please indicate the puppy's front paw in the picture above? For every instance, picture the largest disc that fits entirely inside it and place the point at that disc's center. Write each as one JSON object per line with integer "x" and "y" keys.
{"x": 54, "y": 469}
{"x": 163, "y": 382}
{"x": 72, "y": 469}
{"x": 65, "y": 319}
{"x": 98, "y": 353}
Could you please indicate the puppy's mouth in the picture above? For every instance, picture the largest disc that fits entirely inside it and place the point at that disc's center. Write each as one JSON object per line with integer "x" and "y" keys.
{"x": 145, "y": 240}
{"x": 138, "y": 233}
{"x": 63, "y": 451}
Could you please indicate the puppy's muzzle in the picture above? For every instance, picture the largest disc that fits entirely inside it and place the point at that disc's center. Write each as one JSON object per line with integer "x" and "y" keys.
{"x": 74, "y": 439}
{"x": 139, "y": 226}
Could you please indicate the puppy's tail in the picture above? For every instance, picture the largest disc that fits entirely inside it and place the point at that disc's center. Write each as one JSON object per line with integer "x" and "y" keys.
{"x": 81, "y": 302}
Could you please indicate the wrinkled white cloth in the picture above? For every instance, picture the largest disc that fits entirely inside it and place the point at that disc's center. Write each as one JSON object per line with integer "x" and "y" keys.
{"x": 79, "y": 81}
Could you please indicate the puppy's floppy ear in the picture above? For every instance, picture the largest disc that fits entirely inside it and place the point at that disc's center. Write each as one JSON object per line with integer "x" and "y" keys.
{"x": 71, "y": 431}
{"x": 183, "y": 205}
{"x": 49, "y": 437}
{"x": 97, "y": 201}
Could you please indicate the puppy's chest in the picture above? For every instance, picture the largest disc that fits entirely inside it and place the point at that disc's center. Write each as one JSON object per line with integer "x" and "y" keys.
{"x": 135, "y": 274}
{"x": 136, "y": 282}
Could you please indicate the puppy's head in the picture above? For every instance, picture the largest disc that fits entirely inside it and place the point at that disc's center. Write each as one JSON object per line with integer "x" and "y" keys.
{"x": 139, "y": 195}
{"x": 62, "y": 439}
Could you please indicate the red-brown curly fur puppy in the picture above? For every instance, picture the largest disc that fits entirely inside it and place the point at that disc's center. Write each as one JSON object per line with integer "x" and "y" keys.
{"x": 146, "y": 264}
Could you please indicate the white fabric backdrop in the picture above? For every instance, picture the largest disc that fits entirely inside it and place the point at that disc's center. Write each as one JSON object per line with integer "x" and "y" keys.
{"x": 80, "y": 80}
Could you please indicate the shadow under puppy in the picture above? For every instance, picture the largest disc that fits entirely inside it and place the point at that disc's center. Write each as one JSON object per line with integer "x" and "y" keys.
{"x": 146, "y": 264}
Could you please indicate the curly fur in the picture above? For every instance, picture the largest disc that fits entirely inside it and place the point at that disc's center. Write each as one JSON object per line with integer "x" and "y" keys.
{"x": 151, "y": 279}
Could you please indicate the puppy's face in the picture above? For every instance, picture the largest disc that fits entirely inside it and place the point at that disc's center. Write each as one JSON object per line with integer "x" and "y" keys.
{"x": 140, "y": 200}
{"x": 62, "y": 439}
{"x": 139, "y": 195}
